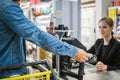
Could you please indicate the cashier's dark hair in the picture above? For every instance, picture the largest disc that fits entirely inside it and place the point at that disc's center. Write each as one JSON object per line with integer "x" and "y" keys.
{"x": 109, "y": 21}
{"x": 16, "y": 0}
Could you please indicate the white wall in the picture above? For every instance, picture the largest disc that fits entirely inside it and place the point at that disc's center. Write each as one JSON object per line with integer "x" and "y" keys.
{"x": 74, "y": 18}
{"x": 66, "y": 13}
{"x": 71, "y": 16}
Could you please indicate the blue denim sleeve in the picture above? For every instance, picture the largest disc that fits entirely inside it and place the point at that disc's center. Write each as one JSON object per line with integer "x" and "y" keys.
{"x": 13, "y": 17}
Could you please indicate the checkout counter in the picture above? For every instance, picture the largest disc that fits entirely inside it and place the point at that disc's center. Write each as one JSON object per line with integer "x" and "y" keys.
{"x": 92, "y": 74}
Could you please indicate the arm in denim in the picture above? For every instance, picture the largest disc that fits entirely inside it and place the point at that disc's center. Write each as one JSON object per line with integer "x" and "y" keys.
{"x": 12, "y": 15}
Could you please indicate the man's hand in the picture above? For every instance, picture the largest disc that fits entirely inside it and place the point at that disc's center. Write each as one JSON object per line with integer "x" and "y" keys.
{"x": 81, "y": 56}
{"x": 101, "y": 66}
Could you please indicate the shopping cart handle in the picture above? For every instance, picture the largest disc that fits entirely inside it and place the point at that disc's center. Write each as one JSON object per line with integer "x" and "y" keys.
{"x": 17, "y": 66}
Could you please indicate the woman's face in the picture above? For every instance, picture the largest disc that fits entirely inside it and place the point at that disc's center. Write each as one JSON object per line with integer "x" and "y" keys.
{"x": 104, "y": 29}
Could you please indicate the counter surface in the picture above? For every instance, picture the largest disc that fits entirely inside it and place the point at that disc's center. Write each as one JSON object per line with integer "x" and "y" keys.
{"x": 92, "y": 74}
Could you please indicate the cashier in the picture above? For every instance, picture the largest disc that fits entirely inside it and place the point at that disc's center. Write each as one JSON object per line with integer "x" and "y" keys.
{"x": 107, "y": 48}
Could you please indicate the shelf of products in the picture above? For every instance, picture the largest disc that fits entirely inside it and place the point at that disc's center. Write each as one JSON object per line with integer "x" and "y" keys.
{"x": 42, "y": 14}
{"x": 114, "y": 13}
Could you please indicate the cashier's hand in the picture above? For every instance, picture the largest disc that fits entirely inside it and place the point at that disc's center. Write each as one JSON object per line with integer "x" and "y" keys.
{"x": 81, "y": 56}
{"x": 101, "y": 66}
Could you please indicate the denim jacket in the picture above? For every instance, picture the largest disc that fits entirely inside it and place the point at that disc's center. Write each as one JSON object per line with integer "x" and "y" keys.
{"x": 14, "y": 28}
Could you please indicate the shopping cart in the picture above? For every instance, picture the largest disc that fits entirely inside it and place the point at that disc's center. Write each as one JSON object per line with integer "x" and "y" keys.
{"x": 35, "y": 76}
{"x": 46, "y": 75}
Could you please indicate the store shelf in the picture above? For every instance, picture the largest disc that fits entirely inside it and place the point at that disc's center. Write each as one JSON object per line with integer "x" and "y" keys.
{"x": 114, "y": 13}
{"x": 63, "y": 30}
